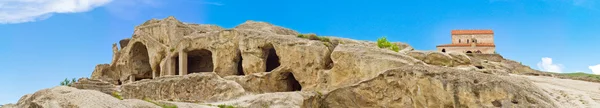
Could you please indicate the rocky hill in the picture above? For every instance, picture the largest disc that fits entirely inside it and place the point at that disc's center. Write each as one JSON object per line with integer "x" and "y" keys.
{"x": 167, "y": 63}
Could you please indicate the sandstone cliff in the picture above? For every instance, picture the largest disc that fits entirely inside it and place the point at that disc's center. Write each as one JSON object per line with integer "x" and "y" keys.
{"x": 257, "y": 64}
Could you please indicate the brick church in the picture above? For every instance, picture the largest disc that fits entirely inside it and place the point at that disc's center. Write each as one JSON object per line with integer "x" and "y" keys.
{"x": 470, "y": 41}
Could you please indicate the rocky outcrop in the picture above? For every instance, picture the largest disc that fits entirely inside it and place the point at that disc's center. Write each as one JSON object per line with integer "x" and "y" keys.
{"x": 67, "y": 97}
{"x": 98, "y": 85}
{"x": 199, "y": 87}
{"x": 105, "y": 72}
{"x": 441, "y": 59}
{"x": 354, "y": 63}
{"x": 257, "y": 64}
{"x": 496, "y": 63}
{"x": 429, "y": 86}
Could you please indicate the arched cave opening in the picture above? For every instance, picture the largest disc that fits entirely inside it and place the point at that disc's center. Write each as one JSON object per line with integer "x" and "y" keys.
{"x": 240, "y": 68}
{"x": 140, "y": 61}
{"x": 176, "y": 65}
{"x": 292, "y": 83}
{"x": 443, "y": 50}
{"x": 469, "y": 52}
{"x": 272, "y": 59}
{"x": 200, "y": 61}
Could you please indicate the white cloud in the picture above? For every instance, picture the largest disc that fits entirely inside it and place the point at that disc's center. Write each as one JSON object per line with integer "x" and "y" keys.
{"x": 20, "y": 11}
{"x": 547, "y": 65}
{"x": 133, "y": 9}
{"x": 595, "y": 69}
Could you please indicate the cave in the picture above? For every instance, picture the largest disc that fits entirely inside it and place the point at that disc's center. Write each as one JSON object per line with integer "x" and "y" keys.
{"x": 469, "y": 52}
{"x": 443, "y": 50}
{"x": 272, "y": 59}
{"x": 199, "y": 61}
{"x": 176, "y": 65}
{"x": 240, "y": 68}
{"x": 292, "y": 83}
{"x": 140, "y": 61}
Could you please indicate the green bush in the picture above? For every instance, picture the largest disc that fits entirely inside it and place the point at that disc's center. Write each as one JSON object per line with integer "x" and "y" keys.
{"x": 582, "y": 75}
{"x": 384, "y": 43}
{"x": 324, "y": 39}
{"x": 395, "y": 48}
{"x": 159, "y": 104}
{"x": 314, "y": 37}
{"x": 67, "y": 82}
{"x": 117, "y": 95}
{"x": 301, "y": 36}
{"x": 226, "y": 106}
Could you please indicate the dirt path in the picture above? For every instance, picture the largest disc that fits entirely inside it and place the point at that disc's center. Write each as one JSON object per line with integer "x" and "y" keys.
{"x": 568, "y": 93}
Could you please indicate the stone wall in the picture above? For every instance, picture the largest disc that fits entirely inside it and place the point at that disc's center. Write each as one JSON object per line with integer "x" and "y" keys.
{"x": 485, "y": 50}
{"x": 481, "y": 38}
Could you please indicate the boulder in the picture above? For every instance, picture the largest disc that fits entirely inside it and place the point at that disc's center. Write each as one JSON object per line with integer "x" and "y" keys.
{"x": 68, "y": 97}
{"x": 123, "y": 42}
{"x": 92, "y": 84}
{"x": 460, "y": 58}
{"x": 439, "y": 59}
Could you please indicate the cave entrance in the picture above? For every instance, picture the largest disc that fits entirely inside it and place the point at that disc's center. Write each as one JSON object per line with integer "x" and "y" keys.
{"x": 240, "y": 68}
{"x": 200, "y": 61}
{"x": 292, "y": 83}
{"x": 140, "y": 61}
{"x": 469, "y": 52}
{"x": 272, "y": 59}
{"x": 175, "y": 65}
{"x": 443, "y": 50}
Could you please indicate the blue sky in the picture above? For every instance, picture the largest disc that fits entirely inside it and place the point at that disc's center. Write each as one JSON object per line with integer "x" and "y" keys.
{"x": 43, "y": 42}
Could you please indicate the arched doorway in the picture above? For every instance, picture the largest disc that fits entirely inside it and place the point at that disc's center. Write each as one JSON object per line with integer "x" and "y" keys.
{"x": 140, "y": 61}
{"x": 240, "y": 68}
{"x": 200, "y": 61}
{"x": 292, "y": 83}
{"x": 272, "y": 60}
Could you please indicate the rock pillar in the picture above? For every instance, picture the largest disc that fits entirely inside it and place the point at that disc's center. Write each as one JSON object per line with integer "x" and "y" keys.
{"x": 183, "y": 64}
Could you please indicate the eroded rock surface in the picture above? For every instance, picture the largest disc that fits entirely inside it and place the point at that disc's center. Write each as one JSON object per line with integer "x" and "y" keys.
{"x": 98, "y": 85}
{"x": 427, "y": 86}
{"x": 199, "y": 87}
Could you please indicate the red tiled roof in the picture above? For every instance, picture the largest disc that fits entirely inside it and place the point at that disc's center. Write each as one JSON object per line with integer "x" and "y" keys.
{"x": 462, "y": 32}
{"x": 468, "y": 45}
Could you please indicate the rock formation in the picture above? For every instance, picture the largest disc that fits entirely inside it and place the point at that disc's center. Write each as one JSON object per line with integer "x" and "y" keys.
{"x": 257, "y": 64}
